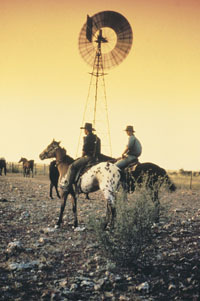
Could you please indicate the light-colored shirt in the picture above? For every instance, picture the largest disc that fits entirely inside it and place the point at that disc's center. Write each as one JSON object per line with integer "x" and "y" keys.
{"x": 134, "y": 146}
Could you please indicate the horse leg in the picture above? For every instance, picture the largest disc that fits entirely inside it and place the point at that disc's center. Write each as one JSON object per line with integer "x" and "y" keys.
{"x": 111, "y": 210}
{"x": 110, "y": 215}
{"x": 156, "y": 202}
{"x": 62, "y": 208}
{"x": 56, "y": 188}
{"x": 50, "y": 191}
{"x": 74, "y": 208}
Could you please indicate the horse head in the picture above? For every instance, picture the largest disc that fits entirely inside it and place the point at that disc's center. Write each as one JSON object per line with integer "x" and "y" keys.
{"x": 22, "y": 160}
{"x": 50, "y": 151}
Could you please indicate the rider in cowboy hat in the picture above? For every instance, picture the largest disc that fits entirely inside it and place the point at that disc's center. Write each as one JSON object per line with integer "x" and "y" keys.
{"x": 89, "y": 141}
{"x": 132, "y": 151}
{"x": 90, "y": 152}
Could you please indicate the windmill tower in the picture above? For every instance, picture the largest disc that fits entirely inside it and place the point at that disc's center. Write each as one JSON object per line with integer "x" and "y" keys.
{"x": 104, "y": 42}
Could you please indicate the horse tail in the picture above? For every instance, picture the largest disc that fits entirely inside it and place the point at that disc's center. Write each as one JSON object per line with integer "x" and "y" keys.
{"x": 172, "y": 187}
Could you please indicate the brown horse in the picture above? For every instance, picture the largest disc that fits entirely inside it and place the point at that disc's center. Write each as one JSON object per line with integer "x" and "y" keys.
{"x": 104, "y": 176}
{"x": 28, "y": 166}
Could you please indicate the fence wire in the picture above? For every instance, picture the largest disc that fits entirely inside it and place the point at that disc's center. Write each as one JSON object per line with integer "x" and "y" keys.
{"x": 39, "y": 169}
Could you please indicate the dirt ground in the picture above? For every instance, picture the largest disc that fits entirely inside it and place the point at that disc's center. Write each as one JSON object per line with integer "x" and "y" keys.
{"x": 39, "y": 262}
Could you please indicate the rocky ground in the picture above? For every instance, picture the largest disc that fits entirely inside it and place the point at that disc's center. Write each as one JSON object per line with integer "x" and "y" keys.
{"x": 39, "y": 262}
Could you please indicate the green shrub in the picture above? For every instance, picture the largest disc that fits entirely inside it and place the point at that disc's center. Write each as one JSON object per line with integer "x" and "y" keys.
{"x": 132, "y": 232}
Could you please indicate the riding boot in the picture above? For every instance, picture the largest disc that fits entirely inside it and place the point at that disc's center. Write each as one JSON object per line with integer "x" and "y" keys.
{"x": 66, "y": 184}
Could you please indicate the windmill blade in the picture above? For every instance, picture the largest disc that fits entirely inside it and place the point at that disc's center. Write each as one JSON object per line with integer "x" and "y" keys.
{"x": 112, "y": 31}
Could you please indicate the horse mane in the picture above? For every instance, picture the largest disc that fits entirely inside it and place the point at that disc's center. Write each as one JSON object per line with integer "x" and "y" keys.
{"x": 67, "y": 159}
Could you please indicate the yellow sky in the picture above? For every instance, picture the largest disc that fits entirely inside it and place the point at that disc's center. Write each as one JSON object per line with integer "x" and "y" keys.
{"x": 44, "y": 82}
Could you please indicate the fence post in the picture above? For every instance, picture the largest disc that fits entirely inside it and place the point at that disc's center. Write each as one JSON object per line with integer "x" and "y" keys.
{"x": 191, "y": 180}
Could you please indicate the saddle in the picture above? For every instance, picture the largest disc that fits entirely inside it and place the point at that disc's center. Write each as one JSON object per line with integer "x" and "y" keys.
{"x": 132, "y": 166}
{"x": 83, "y": 170}
{"x": 80, "y": 172}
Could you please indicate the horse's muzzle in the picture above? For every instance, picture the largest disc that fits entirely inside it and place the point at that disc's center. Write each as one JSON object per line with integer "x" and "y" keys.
{"x": 42, "y": 156}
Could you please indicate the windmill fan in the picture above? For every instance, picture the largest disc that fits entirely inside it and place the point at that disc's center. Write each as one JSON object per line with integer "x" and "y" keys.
{"x": 109, "y": 33}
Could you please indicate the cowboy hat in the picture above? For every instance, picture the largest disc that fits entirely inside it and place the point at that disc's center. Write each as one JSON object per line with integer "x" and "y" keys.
{"x": 88, "y": 126}
{"x": 129, "y": 128}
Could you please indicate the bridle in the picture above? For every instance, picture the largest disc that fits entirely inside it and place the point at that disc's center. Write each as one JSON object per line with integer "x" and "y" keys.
{"x": 58, "y": 162}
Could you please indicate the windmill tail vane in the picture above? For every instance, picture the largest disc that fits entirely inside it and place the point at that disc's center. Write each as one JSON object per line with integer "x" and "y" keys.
{"x": 89, "y": 29}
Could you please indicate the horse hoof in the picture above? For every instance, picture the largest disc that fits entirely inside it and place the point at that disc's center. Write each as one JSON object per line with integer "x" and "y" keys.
{"x": 57, "y": 226}
{"x": 104, "y": 226}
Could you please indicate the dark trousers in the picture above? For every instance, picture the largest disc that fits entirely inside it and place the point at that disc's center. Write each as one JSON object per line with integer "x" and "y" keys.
{"x": 73, "y": 169}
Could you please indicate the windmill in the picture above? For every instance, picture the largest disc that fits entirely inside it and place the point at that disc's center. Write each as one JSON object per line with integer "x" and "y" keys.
{"x": 104, "y": 42}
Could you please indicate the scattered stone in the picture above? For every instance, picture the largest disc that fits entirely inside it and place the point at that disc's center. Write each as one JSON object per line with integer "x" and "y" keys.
{"x": 24, "y": 214}
{"x": 43, "y": 240}
{"x": 79, "y": 229}
{"x": 73, "y": 287}
{"x": 143, "y": 287}
{"x": 3, "y": 200}
{"x": 49, "y": 230}
{"x": 63, "y": 283}
{"x": 23, "y": 266}
{"x": 14, "y": 246}
{"x": 171, "y": 286}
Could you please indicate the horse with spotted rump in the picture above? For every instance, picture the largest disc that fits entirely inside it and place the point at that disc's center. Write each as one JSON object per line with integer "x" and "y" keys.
{"x": 104, "y": 176}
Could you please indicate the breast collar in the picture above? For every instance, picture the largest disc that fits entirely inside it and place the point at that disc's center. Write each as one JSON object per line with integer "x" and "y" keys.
{"x": 58, "y": 162}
